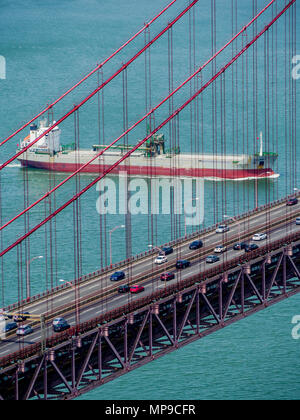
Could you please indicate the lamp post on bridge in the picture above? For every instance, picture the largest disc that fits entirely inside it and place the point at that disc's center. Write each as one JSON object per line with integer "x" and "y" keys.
{"x": 27, "y": 274}
{"x": 67, "y": 282}
{"x": 156, "y": 247}
{"x": 110, "y": 244}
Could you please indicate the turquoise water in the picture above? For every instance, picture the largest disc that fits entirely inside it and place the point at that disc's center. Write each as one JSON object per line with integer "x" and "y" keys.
{"x": 48, "y": 46}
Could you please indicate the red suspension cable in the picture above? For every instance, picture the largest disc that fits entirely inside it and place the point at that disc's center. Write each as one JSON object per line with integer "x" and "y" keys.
{"x": 76, "y": 107}
{"x": 49, "y": 107}
{"x": 149, "y": 114}
{"x": 175, "y": 113}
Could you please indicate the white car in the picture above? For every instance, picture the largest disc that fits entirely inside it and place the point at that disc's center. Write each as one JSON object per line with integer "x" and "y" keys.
{"x": 161, "y": 259}
{"x": 259, "y": 237}
{"x": 220, "y": 249}
{"x": 222, "y": 229}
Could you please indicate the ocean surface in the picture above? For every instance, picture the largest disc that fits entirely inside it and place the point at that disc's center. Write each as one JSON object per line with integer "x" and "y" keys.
{"x": 48, "y": 46}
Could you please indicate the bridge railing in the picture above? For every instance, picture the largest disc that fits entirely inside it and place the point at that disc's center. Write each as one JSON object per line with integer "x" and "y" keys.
{"x": 203, "y": 278}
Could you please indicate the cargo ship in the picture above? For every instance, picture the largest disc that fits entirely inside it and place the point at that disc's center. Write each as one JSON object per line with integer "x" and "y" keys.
{"x": 153, "y": 159}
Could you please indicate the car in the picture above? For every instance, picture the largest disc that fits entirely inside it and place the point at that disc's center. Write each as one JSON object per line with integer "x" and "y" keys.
{"x": 196, "y": 245}
{"x": 21, "y": 317}
{"x": 60, "y": 326}
{"x": 211, "y": 259}
{"x": 251, "y": 247}
{"x": 220, "y": 249}
{"x": 292, "y": 201}
{"x": 10, "y": 326}
{"x": 166, "y": 250}
{"x": 5, "y": 315}
{"x": 222, "y": 229}
{"x": 298, "y": 221}
{"x": 161, "y": 259}
{"x": 57, "y": 321}
{"x": 259, "y": 237}
{"x": 240, "y": 246}
{"x": 136, "y": 289}
{"x": 167, "y": 276}
{"x": 24, "y": 330}
{"x": 182, "y": 264}
{"x": 117, "y": 276}
{"x": 124, "y": 288}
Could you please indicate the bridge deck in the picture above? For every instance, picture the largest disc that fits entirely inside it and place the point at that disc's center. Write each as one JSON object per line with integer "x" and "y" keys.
{"x": 98, "y": 295}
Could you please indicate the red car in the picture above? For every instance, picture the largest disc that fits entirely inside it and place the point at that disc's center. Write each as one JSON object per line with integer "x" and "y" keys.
{"x": 167, "y": 276}
{"x": 292, "y": 201}
{"x": 136, "y": 289}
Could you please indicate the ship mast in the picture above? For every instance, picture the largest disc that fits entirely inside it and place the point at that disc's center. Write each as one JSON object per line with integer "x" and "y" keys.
{"x": 261, "y": 144}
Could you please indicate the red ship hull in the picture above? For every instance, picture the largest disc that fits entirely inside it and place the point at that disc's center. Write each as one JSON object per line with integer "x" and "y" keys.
{"x": 231, "y": 174}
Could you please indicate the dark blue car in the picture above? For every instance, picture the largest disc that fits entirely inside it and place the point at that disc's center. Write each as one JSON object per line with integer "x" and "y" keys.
{"x": 117, "y": 276}
{"x": 292, "y": 201}
{"x": 196, "y": 245}
{"x": 211, "y": 259}
{"x": 181, "y": 264}
{"x": 124, "y": 289}
{"x": 60, "y": 324}
{"x": 167, "y": 250}
{"x": 251, "y": 247}
{"x": 240, "y": 246}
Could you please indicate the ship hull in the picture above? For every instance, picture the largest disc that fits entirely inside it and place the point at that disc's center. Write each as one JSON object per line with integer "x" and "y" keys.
{"x": 150, "y": 161}
{"x": 154, "y": 171}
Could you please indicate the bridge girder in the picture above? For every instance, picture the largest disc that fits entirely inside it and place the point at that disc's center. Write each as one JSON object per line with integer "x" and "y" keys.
{"x": 98, "y": 356}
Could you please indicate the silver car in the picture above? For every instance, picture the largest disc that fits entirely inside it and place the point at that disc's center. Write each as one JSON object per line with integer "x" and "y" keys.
{"x": 161, "y": 259}
{"x": 24, "y": 330}
{"x": 222, "y": 229}
{"x": 259, "y": 237}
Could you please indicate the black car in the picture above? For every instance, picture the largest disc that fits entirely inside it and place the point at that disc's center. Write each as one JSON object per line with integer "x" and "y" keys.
{"x": 124, "y": 289}
{"x": 240, "y": 246}
{"x": 167, "y": 276}
{"x": 117, "y": 276}
{"x": 251, "y": 247}
{"x": 21, "y": 317}
{"x": 60, "y": 325}
{"x": 167, "y": 250}
{"x": 292, "y": 202}
{"x": 196, "y": 245}
{"x": 181, "y": 264}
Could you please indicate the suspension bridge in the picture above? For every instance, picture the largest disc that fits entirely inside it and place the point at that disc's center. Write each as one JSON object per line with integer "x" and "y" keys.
{"x": 211, "y": 100}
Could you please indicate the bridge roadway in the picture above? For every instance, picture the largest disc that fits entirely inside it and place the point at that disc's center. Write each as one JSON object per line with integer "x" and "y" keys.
{"x": 145, "y": 272}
